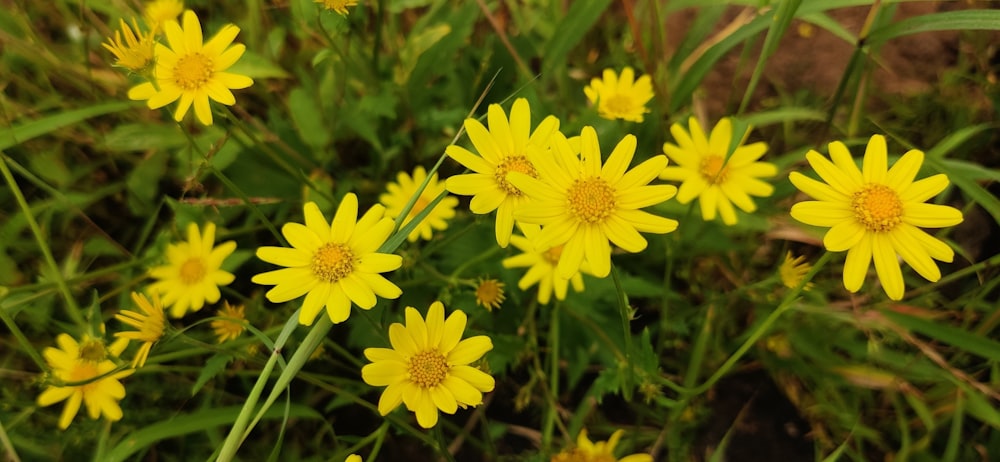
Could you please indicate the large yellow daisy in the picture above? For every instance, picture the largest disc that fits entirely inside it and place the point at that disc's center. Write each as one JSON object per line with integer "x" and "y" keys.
{"x": 874, "y": 213}
{"x": 718, "y": 178}
{"x": 541, "y": 263}
{"x": 332, "y": 263}
{"x": 502, "y": 149}
{"x": 76, "y": 368}
{"x": 399, "y": 193}
{"x": 427, "y": 368}
{"x": 192, "y": 71}
{"x": 600, "y": 451}
{"x": 620, "y": 96}
{"x": 193, "y": 273}
{"x": 584, "y": 205}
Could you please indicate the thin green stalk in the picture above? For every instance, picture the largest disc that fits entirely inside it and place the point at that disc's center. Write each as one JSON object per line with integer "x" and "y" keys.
{"x": 72, "y": 309}
{"x": 442, "y": 448}
{"x": 626, "y": 318}
{"x": 9, "y": 451}
{"x": 551, "y": 412}
{"x": 21, "y": 339}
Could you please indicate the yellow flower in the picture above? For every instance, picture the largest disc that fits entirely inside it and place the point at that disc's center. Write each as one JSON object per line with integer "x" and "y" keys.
{"x": 582, "y": 204}
{"x": 874, "y": 213}
{"x": 708, "y": 171}
{"x": 192, "y": 71}
{"x": 158, "y": 12}
{"x": 231, "y": 322}
{"x": 193, "y": 274}
{"x": 399, "y": 193}
{"x": 137, "y": 51}
{"x": 601, "y": 451}
{"x": 427, "y": 367}
{"x": 150, "y": 324}
{"x": 353, "y": 458}
{"x": 76, "y": 368}
{"x": 620, "y": 97}
{"x": 340, "y": 6}
{"x": 792, "y": 270}
{"x": 489, "y": 294}
{"x": 332, "y": 264}
{"x": 502, "y": 149}
{"x": 541, "y": 264}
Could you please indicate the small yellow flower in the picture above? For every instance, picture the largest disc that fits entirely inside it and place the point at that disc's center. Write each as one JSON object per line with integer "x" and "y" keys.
{"x": 874, "y": 213}
{"x": 717, "y": 178}
{"x": 136, "y": 53}
{"x": 427, "y": 368}
{"x": 489, "y": 294}
{"x": 354, "y": 458}
{"x": 193, "y": 273}
{"x": 231, "y": 322}
{"x": 340, "y": 6}
{"x": 158, "y": 12}
{"x": 76, "y": 368}
{"x": 502, "y": 149}
{"x": 601, "y": 451}
{"x": 793, "y": 270}
{"x": 541, "y": 264}
{"x": 399, "y": 193}
{"x": 584, "y": 205}
{"x": 193, "y": 72}
{"x": 334, "y": 264}
{"x": 620, "y": 97}
{"x": 150, "y": 324}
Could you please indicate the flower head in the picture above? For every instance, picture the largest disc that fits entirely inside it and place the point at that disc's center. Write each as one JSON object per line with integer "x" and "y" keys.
{"x": 333, "y": 263}
{"x": 620, "y": 97}
{"x": 192, "y": 71}
{"x": 150, "y": 324}
{"x": 489, "y": 294}
{"x": 792, "y": 270}
{"x": 79, "y": 370}
{"x": 427, "y": 368}
{"x": 353, "y": 458}
{"x": 874, "y": 213}
{"x": 340, "y": 6}
{"x": 136, "y": 53}
{"x": 583, "y": 205}
{"x": 231, "y": 323}
{"x": 399, "y": 193}
{"x": 601, "y": 451}
{"x": 541, "y": 263}
{"x": 502, "y": 149}
{"x": 158, "y": 12}
{"x": 717, "y": 178}
{"x": 193, "y": 273}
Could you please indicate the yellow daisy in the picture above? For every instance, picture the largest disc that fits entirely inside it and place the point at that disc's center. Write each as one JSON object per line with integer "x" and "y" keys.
{"x": 582, "y": 204}
{"x": 332, "y": 263}
{"x": 75, "y": 367}
{"x": 192, "y": 71}
{"x": 489, "y": 294}
{"x": 158, "y": 12}
{"x": 541, "y": 264}
{"x": 718, "y": 178}
{"x": 427, "y": 368}
{"x": 231, "y": 324}
{"x": 193, "y": 273}
{"x": 502, "y": 149}
{"x": 874, "y": 213}
{"x": 792, "y": 270}
{"x": 601, "y": 451}
{"x": 399, "y": 193}
{"x": 137, "y": 51}
{"x": 620, "y": 97}
{"x": 150, "y": 324}
{"x": 340, "y": 6}
{"x": 353, "y": 458}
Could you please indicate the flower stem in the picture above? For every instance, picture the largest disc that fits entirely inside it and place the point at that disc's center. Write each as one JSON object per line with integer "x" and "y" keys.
{"x": 442, "y": 448}
{"x": 626, "y": 318}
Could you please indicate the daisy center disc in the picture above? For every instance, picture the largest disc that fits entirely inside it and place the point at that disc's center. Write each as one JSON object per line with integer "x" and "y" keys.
{"x": 713, "y": 169}
{"x": 489, "y": 292}
{"x": 592, "y": 200}
{"x": 620, "y": 104}
{"x": 83, "y": 370}
{"x": 428, "y": 368}
{"x": 877, "y": 207}
{"x": 513, "y": 164}
{"x": 552, "y": 255}
{"x": 418, "y": 206}
{"x": 192, "y": 271}
{"x": 92, "y": 351}
{"x": 332, "y": 262}
{"x": 193, "y": 71}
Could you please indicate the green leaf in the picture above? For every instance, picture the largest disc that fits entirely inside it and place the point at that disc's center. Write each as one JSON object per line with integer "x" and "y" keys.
{"x": 787, "y": 114}
{"x": 782, "y": 19}
{"x": 213, "y": 367}
{"x": 258, "y": 67}
{"x": 948, "y": 20}
{"x": 959, "y": 338}
{"x": 35, "y": 128}
{"x": 143, "y": 182}
{"x": 143, "y": 137}
{"x": 578, "y": 20}
{"x": 308, "y": 119}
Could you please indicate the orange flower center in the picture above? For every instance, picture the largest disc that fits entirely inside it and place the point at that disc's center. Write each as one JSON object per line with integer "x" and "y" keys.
{"x": 489, "y": 293}
{"x": 513, "y": 164}
{"x": 332, "y": 262}
{"x": 592, "y": 200}
{"x": 619, "y": 104}
{"x": 877, "y": 207}
{"x": 428, "y": 368}
{"x": 83, "y": 371}
{"x": 418, "y": 206}
{"x": 552, "y": 255}
{"x": 193, "y": 71}
{"x": 714, "y": 170}
{"x": 192, "y": 271}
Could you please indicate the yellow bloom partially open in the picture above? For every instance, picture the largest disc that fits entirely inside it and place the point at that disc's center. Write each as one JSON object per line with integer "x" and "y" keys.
{"x": 874, "y": 213}
{"x": 149, "y": 323}
{"x": 340, "y": 6}
{"x": 193, "y": 273}
{"x": 601, "y": 451}
{"x": 136, "y": 52}
{"x": 399, "y": 193}
{"x": 231, "y": 323}
{"x": 620, "y": 96}
{"x": 76, "y": 368}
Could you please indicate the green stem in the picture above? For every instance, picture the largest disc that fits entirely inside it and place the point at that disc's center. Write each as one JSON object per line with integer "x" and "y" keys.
{"x": 442, "y": 448}
{"x": 21, "y": 339}
{"x": 551, "y": 411}
{"x": 626, "y": 318}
